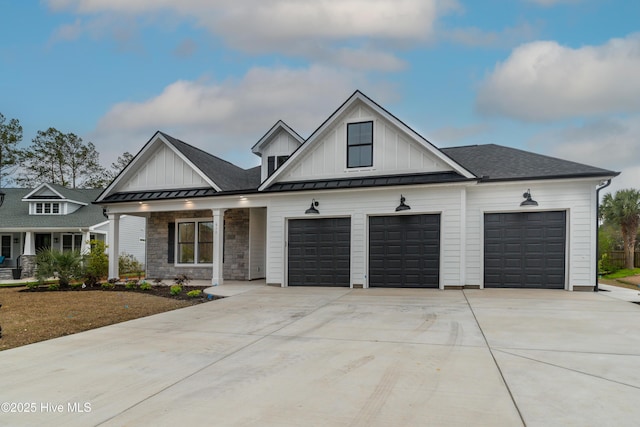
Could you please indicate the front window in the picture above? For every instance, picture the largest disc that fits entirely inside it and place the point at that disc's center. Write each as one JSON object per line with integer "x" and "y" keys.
{"x": 195, "y": 242}
{"x": 71, "y": 242}
{"x": 5, "y": 246}
{"x": 47, "y": 208}
{"x": 360, "y": 145}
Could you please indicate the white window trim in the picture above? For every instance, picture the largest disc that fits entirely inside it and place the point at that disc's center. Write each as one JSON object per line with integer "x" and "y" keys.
{"x": 195, "y": 242}
{"x": 10, "y": 245}
{"x": 73, "y": 241}
{"x": 34, "y": 208}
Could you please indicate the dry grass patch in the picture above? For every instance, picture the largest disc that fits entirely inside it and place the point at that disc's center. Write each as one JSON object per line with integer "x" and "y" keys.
{"x": 28, "y": 317}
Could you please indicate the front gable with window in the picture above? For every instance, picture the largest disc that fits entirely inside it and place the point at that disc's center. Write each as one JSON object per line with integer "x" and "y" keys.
{"x": 361, "y": 139}
{"x": 47, "y": 199}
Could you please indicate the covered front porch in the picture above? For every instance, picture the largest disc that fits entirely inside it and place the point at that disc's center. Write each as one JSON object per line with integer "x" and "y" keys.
{"x": 214, "y": 245}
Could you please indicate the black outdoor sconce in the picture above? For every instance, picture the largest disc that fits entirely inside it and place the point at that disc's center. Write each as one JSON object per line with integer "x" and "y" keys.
{"x": 312, "y": 209}
{"x": 528, "y": 200}
{"x": 2, "y": 194}
{"x": 402, "y": 206}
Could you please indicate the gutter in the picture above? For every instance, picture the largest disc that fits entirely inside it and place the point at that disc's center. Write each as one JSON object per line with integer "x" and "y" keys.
{"x": 603, "y": 186}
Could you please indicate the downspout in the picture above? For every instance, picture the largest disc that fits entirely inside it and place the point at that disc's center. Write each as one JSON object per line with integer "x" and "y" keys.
{"x": 603, "y": 186}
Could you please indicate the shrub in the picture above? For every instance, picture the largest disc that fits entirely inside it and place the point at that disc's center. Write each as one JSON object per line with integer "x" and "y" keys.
{"x": 53, "y": 287}
{"x": 181, "y": 279}
{"x": 75, "y": 285}
{"x": 131, "y": 284}
{"x": 145, "y": 286}
{"x": 65, "y": 265}
{"x": 108, "y": 285}
{"x": 32, "y": 285}
{"x": 194, "y": 293}
{"x": 175, "y": 290}
{"x": 128, "y": 264}
{"x": 97, "y": 262}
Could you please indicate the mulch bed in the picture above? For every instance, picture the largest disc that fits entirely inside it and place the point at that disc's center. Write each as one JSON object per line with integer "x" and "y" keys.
{"x": 156, "y": 290}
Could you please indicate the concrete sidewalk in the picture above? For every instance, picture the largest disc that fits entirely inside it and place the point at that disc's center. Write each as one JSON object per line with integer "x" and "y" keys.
{"x": 341, "y": 357}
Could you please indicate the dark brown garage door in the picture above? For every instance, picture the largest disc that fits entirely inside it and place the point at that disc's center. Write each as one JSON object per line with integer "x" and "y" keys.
{"x": 319, "y": 252}
{"x": 404, "y": 251}
{"x": 524, "y": 250}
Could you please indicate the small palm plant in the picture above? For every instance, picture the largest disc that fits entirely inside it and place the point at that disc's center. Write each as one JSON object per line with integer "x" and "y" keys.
{"x": 64, "y": 265}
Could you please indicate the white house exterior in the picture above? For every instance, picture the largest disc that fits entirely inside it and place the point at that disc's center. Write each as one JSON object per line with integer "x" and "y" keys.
{"x": 365, "y": 201}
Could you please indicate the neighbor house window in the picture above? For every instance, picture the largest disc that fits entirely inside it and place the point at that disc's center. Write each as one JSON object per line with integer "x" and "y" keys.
{"x": 5, "y": 246}
{"x": 71, "y": 242}
{"x": 195, "y": 242}
{"x": 274, "y": 162}
{"x": 47, "y": 208}
{"x": 360, "y": 144}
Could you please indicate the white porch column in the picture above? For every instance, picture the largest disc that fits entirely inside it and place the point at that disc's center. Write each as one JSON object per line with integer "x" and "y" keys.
{"x": 114, "y": 245}
{"x": 85, "y": 248}
{"x": 218, "y": 242}
{"x": 29, "y": 244}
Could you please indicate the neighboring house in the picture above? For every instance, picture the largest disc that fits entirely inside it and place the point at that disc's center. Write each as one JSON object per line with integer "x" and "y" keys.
{"x": 52, "y": 216}
{"x": 365, "y": 201}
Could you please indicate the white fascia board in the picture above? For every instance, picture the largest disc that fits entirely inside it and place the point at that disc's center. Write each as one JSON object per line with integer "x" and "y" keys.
{"x": 258, "y": 146}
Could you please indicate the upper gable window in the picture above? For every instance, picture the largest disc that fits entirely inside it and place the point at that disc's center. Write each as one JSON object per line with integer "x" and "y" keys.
{"x": 274, "y": 162}
{"x": 359, "y": 145}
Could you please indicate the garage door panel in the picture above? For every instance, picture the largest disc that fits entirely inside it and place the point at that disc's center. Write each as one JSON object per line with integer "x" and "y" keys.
{"x": 404, "y": 251}
{"x": 535, "y": 260}
{"x": 319, "y": 252}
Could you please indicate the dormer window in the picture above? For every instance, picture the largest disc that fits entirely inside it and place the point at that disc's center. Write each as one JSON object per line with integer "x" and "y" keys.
{"x": 47, "y": 208}
{"x": 274, "y": 162}
{"x": 360, "y": 145}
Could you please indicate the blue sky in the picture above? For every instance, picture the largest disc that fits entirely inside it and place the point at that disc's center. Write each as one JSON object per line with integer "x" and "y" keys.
{"x": 557, "y": 77}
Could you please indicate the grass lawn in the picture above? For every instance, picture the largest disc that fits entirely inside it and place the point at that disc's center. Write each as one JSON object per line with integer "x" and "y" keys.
{"x": 623, "y": 278}
{"x": 28, "y": 317}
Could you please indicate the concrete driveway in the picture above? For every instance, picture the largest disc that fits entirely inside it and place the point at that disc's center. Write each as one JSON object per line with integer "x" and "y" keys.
{"x": 341, "y": 357}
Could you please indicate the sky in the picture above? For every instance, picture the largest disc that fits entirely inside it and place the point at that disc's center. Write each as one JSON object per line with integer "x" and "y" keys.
{"x": 556, "y": 77}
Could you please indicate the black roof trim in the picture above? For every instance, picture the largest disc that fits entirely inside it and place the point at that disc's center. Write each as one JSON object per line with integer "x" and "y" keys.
{"x": 142, "y": 196}
{"x": 371, "y": 181}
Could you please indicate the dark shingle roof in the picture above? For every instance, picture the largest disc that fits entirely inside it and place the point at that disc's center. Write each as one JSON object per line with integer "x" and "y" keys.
{"x": 227, "y": 176}
{"x": 495, "y": 162}
{"x": 14, "y": 213}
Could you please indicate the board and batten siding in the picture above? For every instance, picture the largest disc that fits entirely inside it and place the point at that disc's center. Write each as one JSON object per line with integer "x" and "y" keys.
{"x": 423, "y": 200}
{"x": 282, "y": 144}
{"x": 393, "y": 151}
{"x": 577, "y": 198}
{"x": 257, "y": 243}
{"x": 164, "y": 170}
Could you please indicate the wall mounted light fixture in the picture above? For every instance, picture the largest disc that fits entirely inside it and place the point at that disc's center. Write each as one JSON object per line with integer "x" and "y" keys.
{"x": 402, "y": 206}
{"x": 528, "y": 200}
{"x": 2, "y": 194}
{"x": 312, "y": 209}
{"x": 15, "y": 240}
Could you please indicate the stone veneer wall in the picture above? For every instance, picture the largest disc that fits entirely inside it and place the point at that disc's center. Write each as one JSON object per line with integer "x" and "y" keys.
{"x": 28, "y": 265}
{"x": 236, "y": 244}
{"x": 236, "y": 251}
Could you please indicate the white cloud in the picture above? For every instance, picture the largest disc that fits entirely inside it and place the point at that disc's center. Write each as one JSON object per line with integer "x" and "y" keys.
{"x": 606, "y": 143}
{"x": 368, "y": 29}
{"x": 230, "y": 116}
{"x": 544, "y": 81}
{"x": 477, "y": 37}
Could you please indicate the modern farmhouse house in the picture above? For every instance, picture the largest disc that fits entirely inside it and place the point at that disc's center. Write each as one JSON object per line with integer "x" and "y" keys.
{"x": 365, "y": 201}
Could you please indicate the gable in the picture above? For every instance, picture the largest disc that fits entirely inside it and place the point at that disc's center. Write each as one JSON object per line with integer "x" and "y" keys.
{"x": 394, "y": 151}
{"x": 163, "y": 169}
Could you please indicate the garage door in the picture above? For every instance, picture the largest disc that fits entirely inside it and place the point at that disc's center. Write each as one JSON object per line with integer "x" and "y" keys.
{"x": 319, "y": 252}
{"x": 404, "y": 251}
{"x": 524, "y": 250}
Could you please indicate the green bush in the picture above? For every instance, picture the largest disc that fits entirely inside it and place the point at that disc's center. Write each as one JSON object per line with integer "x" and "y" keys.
{"x": 65, "y": 265}
{"x": 128, "y": 264}
{"x": 97, "y": 263}
{"x": 107, "y": 285}
{"x": 145, "y": 286}
{"x": 53, "y": 287}
{"x": 75, "y": 285}
{"x": 194, "y": 293}
{"x": 131, "y": 284}
{"x": 175, "y": 289}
